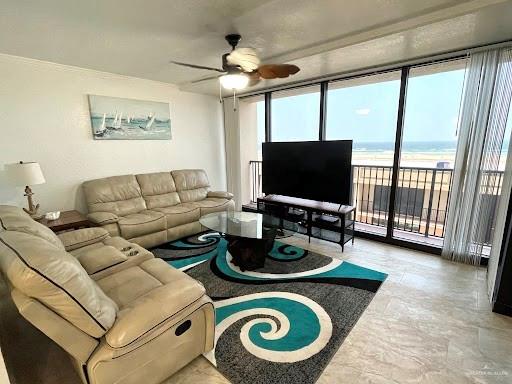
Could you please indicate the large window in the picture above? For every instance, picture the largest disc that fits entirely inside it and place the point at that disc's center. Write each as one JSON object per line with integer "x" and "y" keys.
{"x": 364, "y": 110}
{"x": 434, "y": 93}
{"x": 295, "y": 114}
{"x": 429, "y": 143}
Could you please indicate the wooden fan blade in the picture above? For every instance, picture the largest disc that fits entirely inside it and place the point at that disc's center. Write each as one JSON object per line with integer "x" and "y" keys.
{"x": 196, "y": 66}
{"x": 273, "y": 71}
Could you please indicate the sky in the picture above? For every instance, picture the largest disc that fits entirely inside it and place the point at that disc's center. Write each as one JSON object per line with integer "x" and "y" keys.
{"x": 368, "y": 113}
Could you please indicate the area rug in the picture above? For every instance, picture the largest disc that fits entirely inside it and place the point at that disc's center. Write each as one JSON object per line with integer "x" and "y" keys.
{"x": 281, "y": 323}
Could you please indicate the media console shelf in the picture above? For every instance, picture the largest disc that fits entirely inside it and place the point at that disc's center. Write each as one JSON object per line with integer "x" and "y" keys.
{"x": 327, "y": 221}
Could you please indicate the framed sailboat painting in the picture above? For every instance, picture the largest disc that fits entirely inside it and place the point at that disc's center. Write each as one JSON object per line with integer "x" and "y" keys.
{"x": 114, "y": 118}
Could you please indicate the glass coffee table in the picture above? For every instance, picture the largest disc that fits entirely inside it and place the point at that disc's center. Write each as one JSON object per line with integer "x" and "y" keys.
{"x": 250, "y": 235}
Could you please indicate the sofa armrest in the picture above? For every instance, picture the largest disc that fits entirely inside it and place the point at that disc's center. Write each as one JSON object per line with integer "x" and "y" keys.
{"x": 102, "y": 218}
{"x": 82, "y": 237}
{"x": 221, "y": 194}
{"x": 101, "y": 258}
{"x": 161, "y": 307}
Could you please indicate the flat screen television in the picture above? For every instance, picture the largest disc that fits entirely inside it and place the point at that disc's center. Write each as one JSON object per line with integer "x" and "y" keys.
{"x": 315, "y": 170}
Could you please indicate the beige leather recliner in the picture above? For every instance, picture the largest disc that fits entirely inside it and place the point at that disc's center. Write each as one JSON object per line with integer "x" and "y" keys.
{"x": 122, "y": 315}
{"x": 153, "y": 208}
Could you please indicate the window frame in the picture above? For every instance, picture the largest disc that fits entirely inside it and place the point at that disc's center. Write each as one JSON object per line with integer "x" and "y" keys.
{"x": 324, "y": 88}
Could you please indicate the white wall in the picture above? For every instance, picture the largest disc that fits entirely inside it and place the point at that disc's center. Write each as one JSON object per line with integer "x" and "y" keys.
{"x": 44, "y": 117}
{"x": 232, "y": 134}
{"x": 241, "y": 131}
{"x": 248, "y": 145}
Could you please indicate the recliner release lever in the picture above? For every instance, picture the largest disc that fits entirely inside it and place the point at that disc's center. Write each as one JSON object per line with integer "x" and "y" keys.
{"x": 182, "y": 328}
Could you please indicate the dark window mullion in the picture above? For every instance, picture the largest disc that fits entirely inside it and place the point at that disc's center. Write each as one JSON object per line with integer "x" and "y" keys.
{"x": 323, "y": 110}
{"x": 398, "y": 145}
{"x": 268, "y": 121}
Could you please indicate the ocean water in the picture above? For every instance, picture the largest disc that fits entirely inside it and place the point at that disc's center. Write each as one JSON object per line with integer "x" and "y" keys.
{"x": 411, "y": 146}
{"x": 160, "y": 130}
{"x": 430, "y": 154}
{"x": 414, "y": 146}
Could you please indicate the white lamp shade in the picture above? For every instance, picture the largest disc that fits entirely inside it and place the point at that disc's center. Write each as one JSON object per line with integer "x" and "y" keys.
{"x": 234, "y": 81}
{"x": 21, "y": 174}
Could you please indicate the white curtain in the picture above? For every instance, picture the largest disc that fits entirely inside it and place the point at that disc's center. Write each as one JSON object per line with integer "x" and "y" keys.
{"x": 482, "y": 123}
{"x": 501, "y": 212}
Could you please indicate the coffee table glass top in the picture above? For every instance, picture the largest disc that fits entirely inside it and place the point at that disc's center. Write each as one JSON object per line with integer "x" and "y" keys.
{"x": 242, "y": 224}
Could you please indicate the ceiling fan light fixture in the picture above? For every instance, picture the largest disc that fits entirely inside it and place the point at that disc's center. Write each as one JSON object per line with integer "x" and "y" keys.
{"x": 234, "y": 81}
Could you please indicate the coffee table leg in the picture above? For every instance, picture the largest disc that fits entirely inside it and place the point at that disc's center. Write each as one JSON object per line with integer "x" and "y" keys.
{"x": 248, "y": 254}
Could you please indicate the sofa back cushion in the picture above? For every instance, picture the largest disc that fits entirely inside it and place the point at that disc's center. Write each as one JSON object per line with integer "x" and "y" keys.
{"x": 191, "y": 184}
{"x": 117, "y": 194}
{"x": 54, "y": 277}
{"x": 158, "y": 189}
{"x": 16, "y": 219}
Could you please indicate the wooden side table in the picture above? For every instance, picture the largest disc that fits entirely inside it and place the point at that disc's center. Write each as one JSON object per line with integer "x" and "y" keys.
{"x": 67, "y": 220}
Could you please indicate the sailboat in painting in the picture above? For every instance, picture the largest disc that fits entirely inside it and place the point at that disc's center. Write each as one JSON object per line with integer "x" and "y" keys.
{"x": 115, "y": 118}
{"x": 114, "y": 123}
{"x": 150, "y": 123}
{"x": 118, "y": 122}
{"x": 102, "y": 129}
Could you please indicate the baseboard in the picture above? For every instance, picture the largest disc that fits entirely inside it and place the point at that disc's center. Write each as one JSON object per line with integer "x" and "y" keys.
{"x": 503, "y": 309}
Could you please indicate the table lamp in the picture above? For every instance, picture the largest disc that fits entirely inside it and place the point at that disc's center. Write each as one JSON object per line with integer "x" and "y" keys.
{"x": 26, "y": 174}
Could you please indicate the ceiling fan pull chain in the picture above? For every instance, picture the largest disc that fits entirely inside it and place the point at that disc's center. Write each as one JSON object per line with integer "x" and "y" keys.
{"x": 234, "y": 100}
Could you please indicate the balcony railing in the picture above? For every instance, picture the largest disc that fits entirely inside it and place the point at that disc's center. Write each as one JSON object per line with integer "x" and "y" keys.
{"x": 421, "y": 203}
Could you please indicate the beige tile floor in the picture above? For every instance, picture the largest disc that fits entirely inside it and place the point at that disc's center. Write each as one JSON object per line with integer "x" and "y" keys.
{"x": 430, "y": 322}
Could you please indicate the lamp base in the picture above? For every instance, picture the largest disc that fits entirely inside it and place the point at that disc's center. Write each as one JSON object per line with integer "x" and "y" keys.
{"x": 32, "y": 209}
{"x": 35, "y": 216}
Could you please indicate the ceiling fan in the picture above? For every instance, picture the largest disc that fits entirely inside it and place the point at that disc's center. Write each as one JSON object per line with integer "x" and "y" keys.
{"x": 241, "y": 67}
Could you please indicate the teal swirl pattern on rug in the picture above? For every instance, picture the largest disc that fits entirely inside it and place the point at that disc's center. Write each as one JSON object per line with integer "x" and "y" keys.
{"x": 283, "y": 322}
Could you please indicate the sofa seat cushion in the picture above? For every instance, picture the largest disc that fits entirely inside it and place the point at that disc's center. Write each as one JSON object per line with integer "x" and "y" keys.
{"x": 147, "y": 296}
{"x": 214, "y": 204}
{"x": 142, "y": 223}
{"x": 180, "y": 214}
{"x": 102, "y": 218}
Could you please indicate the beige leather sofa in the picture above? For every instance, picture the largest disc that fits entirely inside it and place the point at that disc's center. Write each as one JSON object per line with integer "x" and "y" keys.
{"x": 153, "y": 208}
{"x": 123, "y": 315}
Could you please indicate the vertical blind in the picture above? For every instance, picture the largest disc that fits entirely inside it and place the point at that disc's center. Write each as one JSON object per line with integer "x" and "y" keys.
{"x": 485, "y": 106}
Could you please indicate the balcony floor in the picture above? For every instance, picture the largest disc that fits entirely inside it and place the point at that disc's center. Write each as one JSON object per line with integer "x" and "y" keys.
{"x": 402, "y": 235}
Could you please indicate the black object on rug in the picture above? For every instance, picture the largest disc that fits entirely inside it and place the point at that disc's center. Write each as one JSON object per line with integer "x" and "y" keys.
{"x": 282, "y": 323}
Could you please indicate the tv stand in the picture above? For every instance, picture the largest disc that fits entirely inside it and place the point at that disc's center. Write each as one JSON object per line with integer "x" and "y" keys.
{"x": 327, "y": 221}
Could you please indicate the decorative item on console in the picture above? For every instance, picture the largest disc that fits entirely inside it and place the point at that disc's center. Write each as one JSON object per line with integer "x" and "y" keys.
{"x": 26, "y": 174}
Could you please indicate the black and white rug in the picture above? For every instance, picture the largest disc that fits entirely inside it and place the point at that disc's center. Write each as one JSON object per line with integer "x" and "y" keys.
{"x": 282, "y": 323}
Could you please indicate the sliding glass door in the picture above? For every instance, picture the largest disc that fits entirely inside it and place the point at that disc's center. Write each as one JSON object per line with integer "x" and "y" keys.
{"x": 400, "y": 188}
{"x": 364, "y": 110}
{"x": 429, "y": 143}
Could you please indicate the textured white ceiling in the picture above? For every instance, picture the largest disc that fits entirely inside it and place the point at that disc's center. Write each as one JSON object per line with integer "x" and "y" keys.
{"x": 138, "y": 38}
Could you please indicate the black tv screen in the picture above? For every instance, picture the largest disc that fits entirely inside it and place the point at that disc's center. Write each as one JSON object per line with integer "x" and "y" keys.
{"x": 315, "y": 170}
